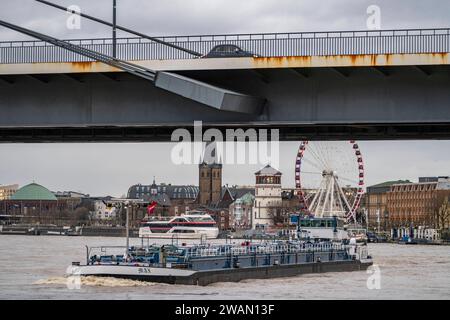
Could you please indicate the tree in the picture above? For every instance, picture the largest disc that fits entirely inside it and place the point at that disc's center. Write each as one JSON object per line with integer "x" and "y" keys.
{"x": 81, "y": 215}
{"x": 443, "y": 215}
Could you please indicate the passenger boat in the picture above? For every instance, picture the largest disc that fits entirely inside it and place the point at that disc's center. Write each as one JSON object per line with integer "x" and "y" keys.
{"x": 330, "y": 228}
{"x": 188, "y": 226}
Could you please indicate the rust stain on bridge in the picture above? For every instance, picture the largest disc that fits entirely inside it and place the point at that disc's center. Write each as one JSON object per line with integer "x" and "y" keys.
{"x": 351, "y": 60}
{"x": 89, "y": 66}
{"x": 237, "y": 63}
{"x": 82, "y": 66}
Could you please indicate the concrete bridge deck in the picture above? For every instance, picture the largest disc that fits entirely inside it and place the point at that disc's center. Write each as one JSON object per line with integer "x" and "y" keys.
{"x": 370, "y": 85}
{"x": 340, "y": 61}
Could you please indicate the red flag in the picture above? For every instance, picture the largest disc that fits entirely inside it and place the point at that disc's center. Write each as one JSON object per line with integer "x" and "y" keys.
{"x": 151, "y": 208}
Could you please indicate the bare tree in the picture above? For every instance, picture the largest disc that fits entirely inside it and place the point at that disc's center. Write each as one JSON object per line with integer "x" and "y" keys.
{"x": 280, "y": 215}
{"x": 81, "y": 215}
{"x": 443, "y": 215}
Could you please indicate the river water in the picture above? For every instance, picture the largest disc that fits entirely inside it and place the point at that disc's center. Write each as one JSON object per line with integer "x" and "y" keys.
{"x": 33, "y": 268}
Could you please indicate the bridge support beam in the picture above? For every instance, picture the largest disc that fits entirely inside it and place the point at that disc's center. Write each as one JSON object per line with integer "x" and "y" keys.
{"x": 407, "y": 104}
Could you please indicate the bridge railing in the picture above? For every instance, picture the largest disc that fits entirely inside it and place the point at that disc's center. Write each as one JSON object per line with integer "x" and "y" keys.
{"x": 263, "y": 44}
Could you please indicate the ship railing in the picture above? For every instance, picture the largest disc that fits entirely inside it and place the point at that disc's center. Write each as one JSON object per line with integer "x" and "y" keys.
{"x": 362, "y": 252}
{"x": 196, "y": 252}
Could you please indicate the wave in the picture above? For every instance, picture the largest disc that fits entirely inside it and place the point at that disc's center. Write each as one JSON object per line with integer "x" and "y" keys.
{"x": 92, "y": 281}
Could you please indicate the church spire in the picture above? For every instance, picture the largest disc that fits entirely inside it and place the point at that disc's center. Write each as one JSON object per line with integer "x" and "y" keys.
{"x": 210, "y": 154}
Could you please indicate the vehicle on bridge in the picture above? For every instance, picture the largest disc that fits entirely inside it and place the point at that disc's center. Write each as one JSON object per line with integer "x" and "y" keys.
{"x": 228, "y": 51}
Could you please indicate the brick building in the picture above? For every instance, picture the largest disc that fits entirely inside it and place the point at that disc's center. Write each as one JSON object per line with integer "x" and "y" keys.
{"x": 416, "y": 204}
{"x": 375, "y": 203}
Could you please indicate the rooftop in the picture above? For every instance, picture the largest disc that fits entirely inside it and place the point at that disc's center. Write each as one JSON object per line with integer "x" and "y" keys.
{"x": 268, "y": 171}
{"x": 389, "y": 183}
{"x": 33, "y": 192}
{"x": 172, "y": 191}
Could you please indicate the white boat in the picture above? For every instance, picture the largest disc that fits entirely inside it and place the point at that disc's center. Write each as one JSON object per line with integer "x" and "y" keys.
{"x": 188, "y": 226}
{"x": 329, "y": 228}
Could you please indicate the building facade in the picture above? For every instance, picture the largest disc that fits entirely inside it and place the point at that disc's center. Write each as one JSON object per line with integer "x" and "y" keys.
{"x": 34, "y": 203}
{"x": 7, "y": 191}
{"x": 241, "y": 211}
{"x": 267, "y": 197}
{"x": 104, "y": 211}
{"x": 172, "y": 200}
{"x": 375, "y": 204}
{"x": 416, "y": 204}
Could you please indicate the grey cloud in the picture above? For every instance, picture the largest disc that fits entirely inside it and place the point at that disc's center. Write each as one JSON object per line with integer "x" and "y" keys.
{"x": 181, "y": 17}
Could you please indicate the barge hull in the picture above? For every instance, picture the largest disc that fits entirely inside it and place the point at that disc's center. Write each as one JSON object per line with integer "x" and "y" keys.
{"x": 204, "y": 278}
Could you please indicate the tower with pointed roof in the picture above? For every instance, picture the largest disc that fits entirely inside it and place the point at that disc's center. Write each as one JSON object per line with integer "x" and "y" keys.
{"x": 267, "y": 196}
{"x": 210, "y": 178}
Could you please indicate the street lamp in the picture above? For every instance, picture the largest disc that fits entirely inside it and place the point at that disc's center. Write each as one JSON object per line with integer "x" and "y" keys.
{"x": 114, "y": 35}
{"x": 127, "y": 206}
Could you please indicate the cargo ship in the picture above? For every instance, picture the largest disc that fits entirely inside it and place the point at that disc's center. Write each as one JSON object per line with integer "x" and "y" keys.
{"x": 203, "y": 264}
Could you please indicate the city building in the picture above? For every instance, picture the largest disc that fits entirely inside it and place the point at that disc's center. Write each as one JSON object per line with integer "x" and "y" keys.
{"x": 221, "y": 210}
{"x": 229, "y": 196}
{"x": 70, "y": 194}
{"x": 171, "y": 199}
{"x": 7, "y": 191}
{"x": 102, "y": 210}
{"x": 291, "y": 201}
{"x": 375, "y": 204}
{"x": 72, "y": 199}
{"x": 428, "y": 179}
{"x": 241, "y": 211}
{"x": 220, "y": 215}
{"x": 33, "y": 203}
{"x": 416, "y": 204}
{"x": 267, "y": 197}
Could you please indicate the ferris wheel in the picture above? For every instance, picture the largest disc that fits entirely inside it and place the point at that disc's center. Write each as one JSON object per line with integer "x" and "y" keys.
{"x": 329, "y": 178}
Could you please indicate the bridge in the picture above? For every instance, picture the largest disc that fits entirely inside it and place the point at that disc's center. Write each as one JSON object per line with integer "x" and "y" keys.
{"x": 390, "y": 84}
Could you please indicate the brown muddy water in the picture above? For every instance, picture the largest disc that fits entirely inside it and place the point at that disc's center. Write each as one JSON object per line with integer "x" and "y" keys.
{"x": 33, "y": 268}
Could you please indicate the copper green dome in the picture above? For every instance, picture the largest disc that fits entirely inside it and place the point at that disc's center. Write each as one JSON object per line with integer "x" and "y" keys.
{"x": 33, "y": 192}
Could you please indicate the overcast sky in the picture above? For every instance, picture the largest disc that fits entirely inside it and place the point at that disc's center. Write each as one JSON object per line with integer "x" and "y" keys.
{"x": 101, "y": 169}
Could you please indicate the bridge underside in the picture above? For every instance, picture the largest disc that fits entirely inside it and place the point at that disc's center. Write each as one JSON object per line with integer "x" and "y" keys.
{"x": 407, "y": 102}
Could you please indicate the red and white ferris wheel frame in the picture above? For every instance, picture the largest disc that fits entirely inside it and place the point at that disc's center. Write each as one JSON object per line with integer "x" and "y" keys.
{"x": 298, "y": 178}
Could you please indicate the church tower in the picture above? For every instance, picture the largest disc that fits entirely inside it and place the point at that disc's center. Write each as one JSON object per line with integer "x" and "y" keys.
{"x": 210, "y": 179}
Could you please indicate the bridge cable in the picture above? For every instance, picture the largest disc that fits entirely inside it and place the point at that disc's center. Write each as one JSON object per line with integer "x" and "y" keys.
{"x": 194, "y": 53}
{"x": 122, "y": 65}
